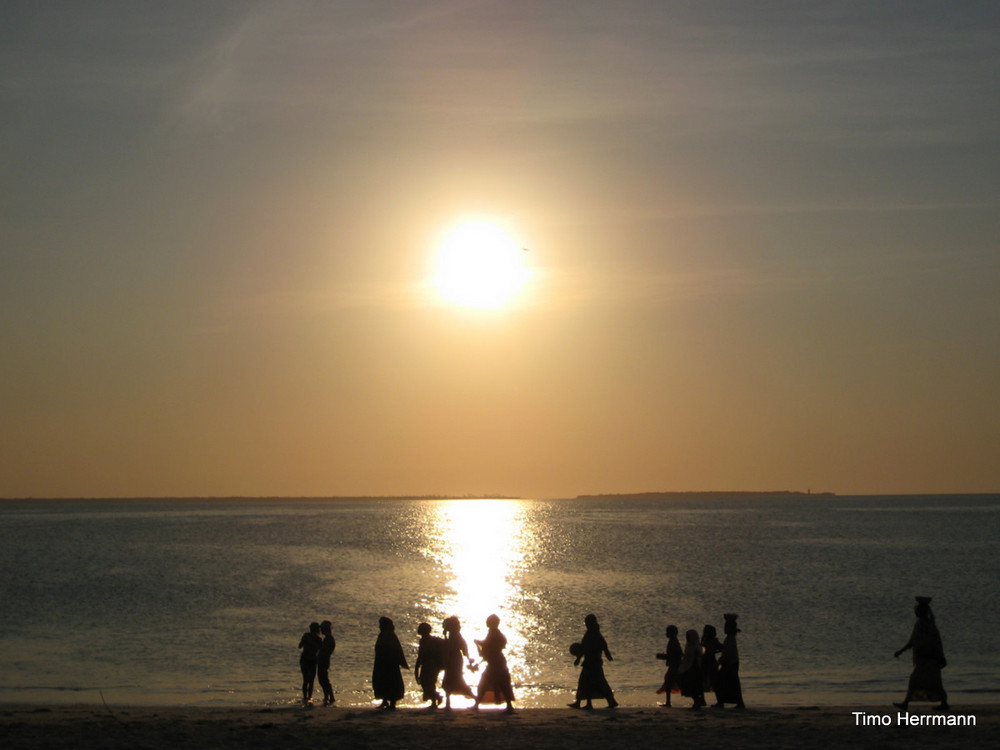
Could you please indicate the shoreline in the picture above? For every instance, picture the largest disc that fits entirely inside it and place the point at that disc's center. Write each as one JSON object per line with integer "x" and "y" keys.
{"x": 33, "y": 725}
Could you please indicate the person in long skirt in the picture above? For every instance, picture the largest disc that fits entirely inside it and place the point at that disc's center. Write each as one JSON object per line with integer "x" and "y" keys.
{"x": 456, "y": 652}
{"x": 592, "y": 683}
{"x": 326, "y": 650}
{"x": 710, "y": 648}
{"x": 387, "y": 680}
{"x": 673, "y": 656}
{"x": 495, "y": 685}
{"x": 692, "y": 682}
{"x": 309, "y": 644}
{"x": 430, "y": 661}
{"x": 928, "y": 659}
{"x": 727, "y": 682}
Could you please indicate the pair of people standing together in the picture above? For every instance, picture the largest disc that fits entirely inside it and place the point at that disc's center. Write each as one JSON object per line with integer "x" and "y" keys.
{"x": 317, "y": 646}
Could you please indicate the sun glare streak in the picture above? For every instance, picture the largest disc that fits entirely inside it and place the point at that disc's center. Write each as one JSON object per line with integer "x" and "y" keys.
{"x": 479, "y": 265}
{"x": 482, "y": 545}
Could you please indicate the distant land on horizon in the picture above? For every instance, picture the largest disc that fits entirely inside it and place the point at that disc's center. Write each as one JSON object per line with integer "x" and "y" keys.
{"x": 495, "y": 496}
{"x": 708, "y": 494}
{"x": 654, "y": 495}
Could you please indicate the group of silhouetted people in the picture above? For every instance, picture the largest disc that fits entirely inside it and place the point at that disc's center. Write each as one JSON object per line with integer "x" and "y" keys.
{"x": 448, "y": 655}
{"x": 435, "y": 655}
{"x": 703, "y": 665}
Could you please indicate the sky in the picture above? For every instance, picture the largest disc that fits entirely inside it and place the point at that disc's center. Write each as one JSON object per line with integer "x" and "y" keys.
{"x": 762, "y": 247}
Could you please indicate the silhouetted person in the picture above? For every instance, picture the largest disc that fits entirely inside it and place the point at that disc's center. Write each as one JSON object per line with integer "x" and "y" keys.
{"x": 710, "y": 646}
{"x": 692, "y": 682}
{"x": 326, "y": 649}
{"x": 928, "y": 659}
{"x": 430, "y": 661}
{"x": 673, "y": 656}
{"x": 494, "y": 685}
{"x": 387, "y": 680}
{"x": 456, "y": 651}
{"x": 727, "y": 682}
{"x": 592, "y": 683}
{"x": 309, "y": 644}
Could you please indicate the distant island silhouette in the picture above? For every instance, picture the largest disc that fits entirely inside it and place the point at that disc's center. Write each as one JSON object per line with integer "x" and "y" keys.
{"x": 659, "y": 495}
{"x": 715, "y": 494}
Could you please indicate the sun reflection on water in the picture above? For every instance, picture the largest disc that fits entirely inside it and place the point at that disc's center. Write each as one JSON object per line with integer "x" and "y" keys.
{"x": 482, "y": 547}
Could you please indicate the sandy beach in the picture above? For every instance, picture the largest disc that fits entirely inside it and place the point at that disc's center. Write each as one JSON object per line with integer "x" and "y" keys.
{"x": 112, "y": 727}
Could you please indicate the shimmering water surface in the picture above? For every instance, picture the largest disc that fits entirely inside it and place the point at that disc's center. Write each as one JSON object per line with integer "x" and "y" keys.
{"x": 204, "y": 601}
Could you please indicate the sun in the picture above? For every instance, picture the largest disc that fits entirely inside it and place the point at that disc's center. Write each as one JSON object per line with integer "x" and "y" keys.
{"x": 478, "y": 264}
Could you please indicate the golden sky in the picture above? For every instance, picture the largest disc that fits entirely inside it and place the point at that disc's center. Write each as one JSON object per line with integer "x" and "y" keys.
{"x": 761, "y": 247}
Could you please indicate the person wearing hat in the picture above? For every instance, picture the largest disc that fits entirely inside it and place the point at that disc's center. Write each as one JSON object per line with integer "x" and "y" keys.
{"x": 928, "y": 659}
{"x": 727, "y": 683}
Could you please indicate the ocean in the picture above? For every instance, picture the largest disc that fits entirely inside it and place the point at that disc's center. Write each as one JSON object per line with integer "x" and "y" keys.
{"x": 203, "y": 602}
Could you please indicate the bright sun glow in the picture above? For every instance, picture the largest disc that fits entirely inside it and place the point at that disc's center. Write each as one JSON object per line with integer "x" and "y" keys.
{"x": 480, "y": 265}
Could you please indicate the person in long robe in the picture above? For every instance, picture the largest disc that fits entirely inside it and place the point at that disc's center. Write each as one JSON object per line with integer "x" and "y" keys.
{"x": 495, "y": 684}
{"x": 727, "y": 682}
{"x": 430, "y": 662}
{"x": 456, "y": 652}
{"x": 692, "y": 684}
{"x": 387, "y": 680}
{"x": 673, "y": 656}
{"x": 592, "y": 683}
{"x": 710, "y": 648}
{"x": 326, "y": 650}
{"x": 309, "y": 644}
{"x": 928, "y": 659}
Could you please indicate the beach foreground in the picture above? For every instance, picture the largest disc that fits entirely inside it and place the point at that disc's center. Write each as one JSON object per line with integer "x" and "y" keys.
{"x": 111, "y": 727}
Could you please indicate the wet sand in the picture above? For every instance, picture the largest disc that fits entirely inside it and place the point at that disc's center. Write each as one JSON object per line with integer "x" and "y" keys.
{"x": 136, "y": 727}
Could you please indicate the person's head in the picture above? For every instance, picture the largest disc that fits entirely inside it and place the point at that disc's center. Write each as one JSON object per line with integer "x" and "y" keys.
{"x": 492, "y": 621}
{"x": 730, "y": 627}
{"x": 708, "y": 633}
{"x": 671, "y": 631}
{"x": 326, "y": 627}
{"x": 691, "y": 636}
{"x": 384, "y": 623}
{"x": 590, "y": 621}
{"x": 424, "y": 628}
{"x": 314, "y": 627}
{"x": 923, "y": 608}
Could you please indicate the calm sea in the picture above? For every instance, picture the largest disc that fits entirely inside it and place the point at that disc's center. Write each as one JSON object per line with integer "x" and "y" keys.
{"x": 203, "y": 602}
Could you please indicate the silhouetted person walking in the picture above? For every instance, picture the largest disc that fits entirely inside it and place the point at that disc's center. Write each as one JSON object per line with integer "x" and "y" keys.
{"x": 456, "y": 651}
{"x": 309, "y": 644}
{"x": 673, "y": 656}
{"x": 326, "y": 649}
{"x": 928, "y": 659}
{"x": 494, "y": 685}
{"x": 710, "y": 647}
{"x": 727, "y": 682}
{"x": 692, "y": 682}
{"x": 592, "y": 683}
{"x": 430, "y": 661}
{"x": 387, "y": 680}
